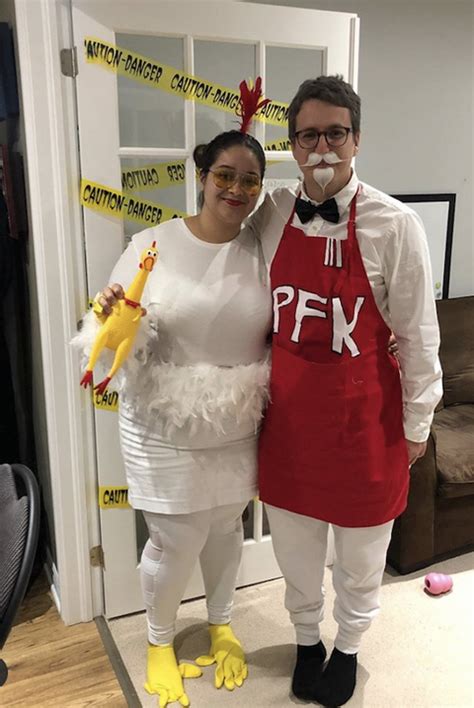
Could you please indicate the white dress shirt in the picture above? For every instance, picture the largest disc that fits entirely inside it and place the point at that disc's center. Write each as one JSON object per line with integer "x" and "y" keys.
{"x": 394, "y": 251}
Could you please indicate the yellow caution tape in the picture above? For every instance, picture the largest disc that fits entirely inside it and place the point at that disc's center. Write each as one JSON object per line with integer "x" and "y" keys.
{"x": 153, "y": 176}
{"x": 168, "y": 174}
{"x": 113, "y": 498}
{"x": 114, "y": 203}
{"x": 107, "y": 401}
{"x": 281, "y": 144}
{"x": 157, "y": 75}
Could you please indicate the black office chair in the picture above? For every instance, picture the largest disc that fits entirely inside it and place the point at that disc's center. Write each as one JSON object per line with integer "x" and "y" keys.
{"x": 19, "y": 531}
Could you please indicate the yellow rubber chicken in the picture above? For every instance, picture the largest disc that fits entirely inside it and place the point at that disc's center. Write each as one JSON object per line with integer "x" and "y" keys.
{"x": 119, "y": 330}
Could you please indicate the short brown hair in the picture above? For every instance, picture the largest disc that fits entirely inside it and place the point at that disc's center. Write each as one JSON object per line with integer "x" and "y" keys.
{"x": 331, "y": 89}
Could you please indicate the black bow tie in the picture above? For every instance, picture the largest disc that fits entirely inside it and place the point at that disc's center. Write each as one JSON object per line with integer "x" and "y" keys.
{"x": 327, "y": 210}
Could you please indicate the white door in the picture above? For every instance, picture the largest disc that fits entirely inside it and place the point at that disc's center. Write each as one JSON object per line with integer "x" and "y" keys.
{"x": 128, "y": 122}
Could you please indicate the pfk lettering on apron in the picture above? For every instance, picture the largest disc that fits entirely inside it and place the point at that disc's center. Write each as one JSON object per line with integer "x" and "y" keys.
{"x": 342, "y": 328}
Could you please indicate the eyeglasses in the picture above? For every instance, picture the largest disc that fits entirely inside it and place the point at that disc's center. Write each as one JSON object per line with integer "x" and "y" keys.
{"x": 224, "y": 178}
{"x": 335, "y": 137}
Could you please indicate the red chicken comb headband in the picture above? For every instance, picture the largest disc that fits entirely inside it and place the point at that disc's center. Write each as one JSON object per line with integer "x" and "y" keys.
{"x": 250, "y": 102}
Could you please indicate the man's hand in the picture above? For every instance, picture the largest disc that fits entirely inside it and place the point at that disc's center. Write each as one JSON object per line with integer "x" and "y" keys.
{"x": 393, "y": 345}
{"x": 415, "y": 451}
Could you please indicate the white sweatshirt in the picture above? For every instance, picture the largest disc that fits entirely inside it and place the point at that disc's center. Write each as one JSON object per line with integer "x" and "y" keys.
{"x": 194, "y": 390}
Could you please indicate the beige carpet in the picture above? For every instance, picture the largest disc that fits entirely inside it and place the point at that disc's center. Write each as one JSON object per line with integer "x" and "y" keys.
{"x": 418, "y": 652}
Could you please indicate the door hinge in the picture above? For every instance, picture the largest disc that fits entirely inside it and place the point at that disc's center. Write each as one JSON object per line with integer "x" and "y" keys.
{"x": 68, "y": 59}
{"x": 97, "y": 557}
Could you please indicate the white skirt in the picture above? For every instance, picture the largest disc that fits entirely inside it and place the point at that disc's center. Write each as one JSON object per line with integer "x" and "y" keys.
{"x": 180, "y": 474}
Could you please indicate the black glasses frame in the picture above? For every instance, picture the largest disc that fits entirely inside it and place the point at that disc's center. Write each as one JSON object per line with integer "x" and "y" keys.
{"x": 325, "y": 133}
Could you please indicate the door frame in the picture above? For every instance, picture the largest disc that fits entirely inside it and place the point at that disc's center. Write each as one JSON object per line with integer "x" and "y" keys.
{"x": 52, "y": 175}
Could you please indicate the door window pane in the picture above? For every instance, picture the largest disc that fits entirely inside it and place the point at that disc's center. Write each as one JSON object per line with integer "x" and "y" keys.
{"x": 287, "y": 170}
{"x": 287, "y": 68}
{"x": 142, "y": 533}
{"x": 248, "y": 518}
{"x": 149, "y": 117}
{"x": 226, "y": 64}
{"x": 265, "y": 524}
{"x": 145, "y": 179}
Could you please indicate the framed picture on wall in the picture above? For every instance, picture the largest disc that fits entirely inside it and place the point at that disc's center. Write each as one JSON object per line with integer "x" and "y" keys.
{"x": 437, "y": 214}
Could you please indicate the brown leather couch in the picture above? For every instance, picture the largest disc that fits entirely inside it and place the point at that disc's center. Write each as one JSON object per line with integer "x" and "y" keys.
{"x": 439, "y": 519}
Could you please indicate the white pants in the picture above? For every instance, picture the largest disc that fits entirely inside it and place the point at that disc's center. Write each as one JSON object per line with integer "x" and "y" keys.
{"x": 300, "y": 544}
{"x": 215, "y": 536}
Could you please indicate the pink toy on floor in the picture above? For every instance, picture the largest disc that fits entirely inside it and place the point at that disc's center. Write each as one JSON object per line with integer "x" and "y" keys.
{"x": 437, "y": 583}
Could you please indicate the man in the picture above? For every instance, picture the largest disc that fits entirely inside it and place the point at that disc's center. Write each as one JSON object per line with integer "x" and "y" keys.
{"x": 348, "y": 264}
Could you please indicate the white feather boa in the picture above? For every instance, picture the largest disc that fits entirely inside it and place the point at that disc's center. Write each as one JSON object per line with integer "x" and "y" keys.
{"x": 183, "y": 395}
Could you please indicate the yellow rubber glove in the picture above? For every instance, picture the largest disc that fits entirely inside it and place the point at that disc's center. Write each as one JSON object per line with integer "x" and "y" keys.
{"x": 226, "y": 651}
{"x": 165, "y": 676}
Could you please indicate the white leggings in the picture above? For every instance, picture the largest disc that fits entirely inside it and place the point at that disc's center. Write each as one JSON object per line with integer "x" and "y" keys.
{"x": 300, "y": 548}
{"x": 215, "y": 536}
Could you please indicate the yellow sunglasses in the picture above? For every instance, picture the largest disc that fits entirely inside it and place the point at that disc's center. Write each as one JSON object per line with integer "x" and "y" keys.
{"x": 224, "y": 178}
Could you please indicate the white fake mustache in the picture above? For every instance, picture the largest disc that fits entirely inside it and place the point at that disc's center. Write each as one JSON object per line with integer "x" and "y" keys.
{"x": 324, "y": 175}
{"x": 331, "y": 158}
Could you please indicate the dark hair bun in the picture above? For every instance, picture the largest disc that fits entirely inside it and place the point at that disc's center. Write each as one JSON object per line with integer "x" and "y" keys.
{"x": 199, "y": 156}
{"x": 206, "y": 155}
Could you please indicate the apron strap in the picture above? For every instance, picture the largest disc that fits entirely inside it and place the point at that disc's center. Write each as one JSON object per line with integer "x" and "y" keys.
{"x": 351, "y": 237}
{"x": 290, "y": 218}
{"x": 351, "y": 230}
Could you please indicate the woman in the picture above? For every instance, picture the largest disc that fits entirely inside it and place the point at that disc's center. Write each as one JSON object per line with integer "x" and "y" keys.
{"x": 189, "y": 418}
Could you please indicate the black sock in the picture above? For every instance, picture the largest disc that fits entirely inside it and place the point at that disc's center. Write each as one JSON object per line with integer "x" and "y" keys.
{"x": 308, "y": 668}
{"x": 338, "y": 680}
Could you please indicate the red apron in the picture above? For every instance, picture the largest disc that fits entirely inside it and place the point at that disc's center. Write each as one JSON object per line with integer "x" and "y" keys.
{"x": 332, "y": 445}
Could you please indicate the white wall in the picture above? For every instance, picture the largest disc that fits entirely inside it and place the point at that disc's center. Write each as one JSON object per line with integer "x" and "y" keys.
{"x": 416, "y": 84}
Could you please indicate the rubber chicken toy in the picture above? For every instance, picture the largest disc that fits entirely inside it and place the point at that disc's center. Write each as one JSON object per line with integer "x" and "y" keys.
{"x": 119, "y": 330}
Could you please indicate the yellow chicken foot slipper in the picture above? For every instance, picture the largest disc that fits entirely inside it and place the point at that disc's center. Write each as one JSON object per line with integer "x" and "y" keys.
{"x": 165, "y": 675}
{"x": 227, "y": 653}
